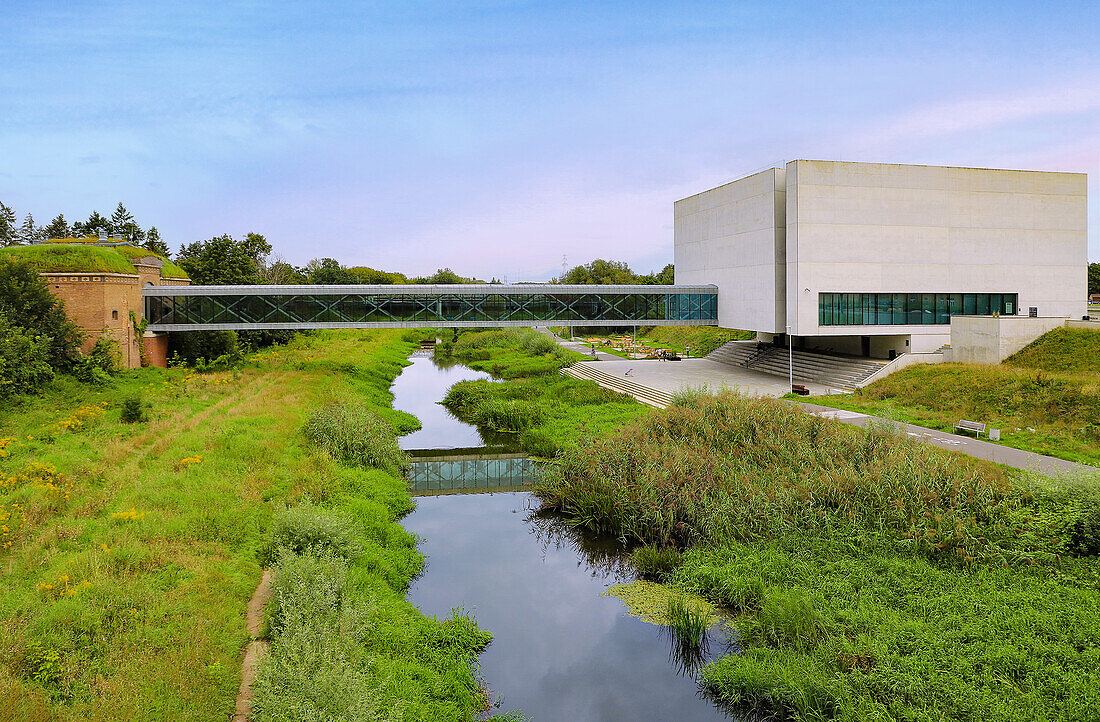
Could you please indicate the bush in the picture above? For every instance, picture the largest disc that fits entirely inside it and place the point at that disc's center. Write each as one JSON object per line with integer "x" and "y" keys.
{"x": 309, "y": 529}
{"x": 100, "y": 363}
{"x": 307, "y": 588}
{"x": 356, "y": 435}
{"x": 24, "y": 360}
{"x": 26, "y": 300}
{"x": 133, "y": 410}
{"x": 196, "y": 347}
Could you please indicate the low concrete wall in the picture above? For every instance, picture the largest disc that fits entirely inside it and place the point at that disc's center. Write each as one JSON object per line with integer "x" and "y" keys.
{"x": 1084, "y": 325}
{"x": 906, "y": 359}
{"x": 992, "y": 339}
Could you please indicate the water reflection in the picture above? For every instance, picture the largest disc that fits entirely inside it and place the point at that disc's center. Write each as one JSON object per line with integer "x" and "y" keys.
{"x": 468, "y": 471}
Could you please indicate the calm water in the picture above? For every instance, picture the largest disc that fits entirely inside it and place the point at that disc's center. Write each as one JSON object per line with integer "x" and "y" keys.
{"x": 560, "y": 650}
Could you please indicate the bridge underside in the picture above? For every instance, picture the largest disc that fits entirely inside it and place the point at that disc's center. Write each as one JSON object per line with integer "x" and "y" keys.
{"x": 200, "y": 308}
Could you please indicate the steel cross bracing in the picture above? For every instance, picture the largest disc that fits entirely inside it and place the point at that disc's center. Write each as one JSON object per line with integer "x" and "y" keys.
{"x": 180, "y": 308}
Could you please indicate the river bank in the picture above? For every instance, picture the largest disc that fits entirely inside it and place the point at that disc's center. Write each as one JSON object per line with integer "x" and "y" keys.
{"x": 131, "y": 550}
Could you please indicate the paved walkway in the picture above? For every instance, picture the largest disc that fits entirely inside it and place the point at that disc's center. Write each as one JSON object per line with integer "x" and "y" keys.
{"x": 964, "y": 445}
{"x": 673, "y": 376}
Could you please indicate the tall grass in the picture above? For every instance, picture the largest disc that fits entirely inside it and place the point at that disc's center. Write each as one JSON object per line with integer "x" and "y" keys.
{"x": 355, "y": 434}
{"x": 730, "y": 466}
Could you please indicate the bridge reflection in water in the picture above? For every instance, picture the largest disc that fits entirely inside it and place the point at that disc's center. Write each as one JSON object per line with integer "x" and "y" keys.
{"x": 476, "y": 470}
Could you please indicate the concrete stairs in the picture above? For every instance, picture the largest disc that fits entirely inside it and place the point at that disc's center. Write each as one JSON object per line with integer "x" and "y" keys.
{"x": 836, "y": 371}
{"x": 617, "y": 382}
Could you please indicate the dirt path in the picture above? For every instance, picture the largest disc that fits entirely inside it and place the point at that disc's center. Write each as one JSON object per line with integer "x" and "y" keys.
{"x": 256, "y": 648}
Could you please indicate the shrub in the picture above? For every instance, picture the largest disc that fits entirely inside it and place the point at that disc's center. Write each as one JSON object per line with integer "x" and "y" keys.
{"x": 309, "y": 529}
{"x": 26, "y": 300}
{"x": 24, "y": 360}
{"x": 356, "y": 435}
{"x": 307, "y": 587}
{"x": 133, "y": 410}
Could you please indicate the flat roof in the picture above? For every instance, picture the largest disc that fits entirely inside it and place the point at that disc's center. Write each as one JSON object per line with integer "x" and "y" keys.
{"x": 456, "y": 289}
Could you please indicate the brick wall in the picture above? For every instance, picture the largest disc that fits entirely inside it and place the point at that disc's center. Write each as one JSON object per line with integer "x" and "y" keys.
{"x": 100, "y": 304}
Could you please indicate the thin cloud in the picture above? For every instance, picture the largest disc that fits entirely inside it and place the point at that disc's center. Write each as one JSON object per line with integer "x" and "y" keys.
{"x": 964, "y": 116}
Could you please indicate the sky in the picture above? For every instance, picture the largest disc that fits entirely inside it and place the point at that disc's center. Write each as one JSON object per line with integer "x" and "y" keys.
{"x": 495, "y": 138}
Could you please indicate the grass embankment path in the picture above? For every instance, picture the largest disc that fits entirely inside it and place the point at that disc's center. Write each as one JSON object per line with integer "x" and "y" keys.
{"x": 130, "y": 551}
{"x": 1045, "y": 398}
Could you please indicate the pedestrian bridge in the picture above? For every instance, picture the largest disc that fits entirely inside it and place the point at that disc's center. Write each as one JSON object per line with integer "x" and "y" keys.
{"x": 250, "y": 308}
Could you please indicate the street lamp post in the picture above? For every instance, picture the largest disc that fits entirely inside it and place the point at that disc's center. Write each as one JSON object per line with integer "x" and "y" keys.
{"x": 790, "y": 359}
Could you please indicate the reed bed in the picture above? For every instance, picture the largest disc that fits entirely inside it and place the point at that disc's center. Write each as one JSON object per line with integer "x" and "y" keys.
{"x": 730, "y": 466}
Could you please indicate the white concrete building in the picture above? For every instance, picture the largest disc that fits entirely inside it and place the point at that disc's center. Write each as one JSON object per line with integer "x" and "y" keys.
{"x": 875, "y": 258}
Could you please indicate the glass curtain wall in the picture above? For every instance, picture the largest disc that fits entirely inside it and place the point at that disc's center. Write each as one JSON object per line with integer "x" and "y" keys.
{"x": 895, "y": 309}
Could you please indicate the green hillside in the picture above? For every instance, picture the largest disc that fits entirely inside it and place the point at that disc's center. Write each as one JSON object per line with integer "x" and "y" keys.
{"x": 85, "y": 258}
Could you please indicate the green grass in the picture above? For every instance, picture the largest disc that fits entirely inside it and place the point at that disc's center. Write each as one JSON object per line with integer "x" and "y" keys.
{"x": 1045, "y": 398}
{"x": 701, "y": 339}
{"x": 134, "y": 549}
{"x": 1062, "y": 351}
{"x": 85, "y": 258}
{"x": 871, "y": 577}
{"x": 58, "y": 258}
{"x": 169, "y": 270}
{"x": 543, "y": 409}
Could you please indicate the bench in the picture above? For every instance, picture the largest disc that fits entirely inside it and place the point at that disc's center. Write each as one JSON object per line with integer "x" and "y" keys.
{"x": 974, "y": 426}
{"x": 800, "y": 390}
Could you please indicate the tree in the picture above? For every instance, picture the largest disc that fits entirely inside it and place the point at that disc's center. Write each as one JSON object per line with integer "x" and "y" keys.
{"x": 26, "y": 301}
{"x": 222, "y": 260}
{"x": 445, "y": 276}
{"x": 120, "y": 220}
{"x": 154, "y": 244}
{"x": 91, "y": 226}
{"x": 8, "y": 231}
{"x": 667, "y": 276}
{"x": 29, "y": 232}
{"x": 24, "y": 359}
{"x": 1094, "y": 278}
{"x": 277, "y": 272}
{"x": 599, "y": 271}
{"x": 58, "y": 227}
{"x": 328, "y": 272}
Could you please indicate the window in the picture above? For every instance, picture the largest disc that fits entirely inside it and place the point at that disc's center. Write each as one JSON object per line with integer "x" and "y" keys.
{"x": 114, "y": 315}
{"x": 917, "y": 309}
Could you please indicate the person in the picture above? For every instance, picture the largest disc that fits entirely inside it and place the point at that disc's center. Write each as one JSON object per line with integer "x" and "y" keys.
{"x": 687, "y": 351}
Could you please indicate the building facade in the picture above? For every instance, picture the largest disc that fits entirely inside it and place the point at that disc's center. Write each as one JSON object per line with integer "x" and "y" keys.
{"x": 875, "y": 258}
{"x": 101, "y": 303}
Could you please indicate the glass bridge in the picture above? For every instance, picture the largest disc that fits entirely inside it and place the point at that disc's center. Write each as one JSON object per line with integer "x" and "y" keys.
{"x": 206, "y": 308}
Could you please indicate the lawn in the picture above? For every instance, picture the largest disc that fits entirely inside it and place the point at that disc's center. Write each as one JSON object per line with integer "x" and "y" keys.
{"x": 1045, "y": 398}
{"x": 131, "y": 550}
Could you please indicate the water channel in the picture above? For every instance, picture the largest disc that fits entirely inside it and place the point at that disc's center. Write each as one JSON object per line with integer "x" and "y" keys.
{"x": 560, "y": 650}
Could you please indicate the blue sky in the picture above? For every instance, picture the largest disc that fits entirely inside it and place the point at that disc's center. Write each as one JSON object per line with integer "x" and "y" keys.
{"x": 494, "y": 137}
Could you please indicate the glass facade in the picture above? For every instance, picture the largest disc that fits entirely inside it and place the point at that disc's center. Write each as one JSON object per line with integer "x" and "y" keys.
{"x": 896, "y": 309}
{"x": 289, "y": 310}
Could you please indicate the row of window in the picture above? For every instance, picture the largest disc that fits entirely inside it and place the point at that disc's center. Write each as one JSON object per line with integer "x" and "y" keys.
{"x": 879, "y": 309}
{"x": 356, "y": 308}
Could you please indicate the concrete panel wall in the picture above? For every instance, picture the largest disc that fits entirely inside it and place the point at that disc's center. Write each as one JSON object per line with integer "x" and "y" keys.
{"x": 992, "y": 339}
{"x": 734, "y": 236}
{"x": 872, "y": 227}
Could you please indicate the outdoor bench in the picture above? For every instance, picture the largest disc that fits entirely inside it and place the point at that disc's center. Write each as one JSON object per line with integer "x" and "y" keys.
{"x": 974, "y": 426}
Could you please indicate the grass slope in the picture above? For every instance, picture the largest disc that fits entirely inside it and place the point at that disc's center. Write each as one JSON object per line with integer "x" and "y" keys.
{"x": 130, "y": 551}
{"x": 85, "y": 258}
{"x": 58, "y": 258}
{"x": 1045, "y": 398}
{"x": 871, "y": 577}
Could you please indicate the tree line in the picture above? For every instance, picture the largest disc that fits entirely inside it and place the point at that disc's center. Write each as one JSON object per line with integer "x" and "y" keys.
{"x": 120, "y": 223}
